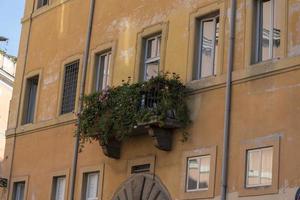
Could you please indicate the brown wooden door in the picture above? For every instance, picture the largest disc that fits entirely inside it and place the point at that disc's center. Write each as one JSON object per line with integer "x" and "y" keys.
{"x": 142, "y": 187}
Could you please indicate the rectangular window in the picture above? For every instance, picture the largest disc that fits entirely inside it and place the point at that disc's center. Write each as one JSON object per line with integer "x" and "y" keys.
{"x": 207, "y": 46}
{"x": 152, "y": 57}
{"x": 90, "y": 186}
{"x": 144, "y": 168}
{"x": 42, "y": 3}
{"x": 70, "y": 87}
{"x": 259, "y": 167}
{"x": 103, "y": 62}
{"x": 58, "y": 190}
{"x": 198, "y": 171}
{"x": 19, "y": 191}
{"x": 267, "y": 31}
{"x": 30, "y": 99}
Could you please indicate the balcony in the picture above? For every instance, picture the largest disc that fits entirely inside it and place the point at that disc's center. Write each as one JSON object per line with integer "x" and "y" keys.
{"x": 155, "y": 108}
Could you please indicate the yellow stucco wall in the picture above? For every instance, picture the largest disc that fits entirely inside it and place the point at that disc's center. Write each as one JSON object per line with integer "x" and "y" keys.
{"x": 265, "y": 96}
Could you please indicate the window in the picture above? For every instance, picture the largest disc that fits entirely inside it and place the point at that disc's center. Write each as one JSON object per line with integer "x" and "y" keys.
{"x": 152, "y": 57}
{"x": 207, "y": 47}
{"x": 144, "y": 168}
{"x": 198, "y": 170}
{"x": 58, "y": 190}
{"x": 259, "y": 167}
{"x": 103, "y": 62}
{"x": 266, "y": 31}
{"x": 70, "y": 87}
{"x": 90, "y": 189}
{"x": 30, "y": 99}
{"x": 18, "y": 191}
{"x": 42, "y": 3}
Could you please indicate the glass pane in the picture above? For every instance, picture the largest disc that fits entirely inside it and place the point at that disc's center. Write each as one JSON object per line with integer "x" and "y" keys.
{"x": 266, "y": 166}
{"x": 253, "y": 172}
{"x": 152, "y": 70}
{"x": 203, "y": 180}
{"x": 216, "y": 46}
{"x": 193, "y": 174}
{"x": 266, "y": 28}
{"x": 151, "y": 48}
{"x": 60, "y": 188}
{"x": 92, "y": 186}
{"x": 208, "y": 29}
{"x": 276, "y": 30}
{"x": 158, "y": 46}
{"x": 19, "y": 191}
{"x": 205, "y": 164}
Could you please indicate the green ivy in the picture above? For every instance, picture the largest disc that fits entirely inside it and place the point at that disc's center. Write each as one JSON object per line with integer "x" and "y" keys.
{"x": 115, "y": 112}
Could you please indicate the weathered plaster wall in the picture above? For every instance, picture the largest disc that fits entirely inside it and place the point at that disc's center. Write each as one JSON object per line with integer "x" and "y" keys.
{"x": 265, "y": 96}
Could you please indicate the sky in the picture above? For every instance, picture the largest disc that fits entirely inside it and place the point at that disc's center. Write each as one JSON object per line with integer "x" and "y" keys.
{"x": 11, "y": 12}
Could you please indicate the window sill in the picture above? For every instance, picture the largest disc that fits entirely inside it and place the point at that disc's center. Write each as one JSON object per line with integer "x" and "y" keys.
{"x": 207, "y": 83}
{"x": 42, "y": 10}
{"x": 61, "y": 120}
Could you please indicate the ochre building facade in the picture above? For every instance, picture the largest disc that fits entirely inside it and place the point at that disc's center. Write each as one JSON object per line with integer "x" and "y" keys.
{"x": 138, "y": 38}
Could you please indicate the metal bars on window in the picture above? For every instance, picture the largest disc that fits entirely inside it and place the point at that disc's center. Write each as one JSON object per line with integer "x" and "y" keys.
{"x": 207, "y": 48}
{"x": 70, "y": 87}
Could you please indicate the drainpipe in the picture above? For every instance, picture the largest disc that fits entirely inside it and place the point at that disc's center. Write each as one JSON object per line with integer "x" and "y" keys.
{"x": 228, "y": 102}
{"x": 19, "y": 103}
{"x": 81, "y": 94}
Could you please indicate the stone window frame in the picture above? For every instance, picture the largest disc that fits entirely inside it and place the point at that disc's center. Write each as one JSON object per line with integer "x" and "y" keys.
{"x": 163, "y": 29}
{"x": 37, "y": 7}
{"x": 66, "y": 174}
{"x": 141, "y": 161}
{"x": 91, "y": 169}
{"x": 201, "y": 194}
{"x": 112, "y": 46}
{"x": 258, "y": 143}
{"x": 249, "y": 35}
{"x": 193, "y": 43}
{"x": 23, "y": 96}
{"x": 70, "y": 115}
{"x": 16, "y": 180}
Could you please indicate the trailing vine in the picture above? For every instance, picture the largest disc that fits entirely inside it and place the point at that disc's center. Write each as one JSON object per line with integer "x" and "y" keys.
{"x": 115, "y": 112}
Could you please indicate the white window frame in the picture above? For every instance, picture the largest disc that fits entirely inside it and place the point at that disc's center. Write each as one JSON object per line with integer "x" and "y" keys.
{"x": 106, "y": 71}
{"x": 200, "y": 43}
{"x": 259, "y": 30}
{"x": 198, "y": 181}
{"x": 157, "y": 37}
{"x": 260, "y": 150}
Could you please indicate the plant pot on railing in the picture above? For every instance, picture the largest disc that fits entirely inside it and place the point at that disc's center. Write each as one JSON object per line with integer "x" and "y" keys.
{"x": 112, "y": 148}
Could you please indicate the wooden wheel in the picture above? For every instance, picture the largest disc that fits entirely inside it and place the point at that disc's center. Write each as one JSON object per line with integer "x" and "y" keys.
{"x": 142, "y": 187}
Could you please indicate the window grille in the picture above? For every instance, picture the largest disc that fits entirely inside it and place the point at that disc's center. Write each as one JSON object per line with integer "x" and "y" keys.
{"x": 140, "y": 169}
{"x": 70, "y": 87}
